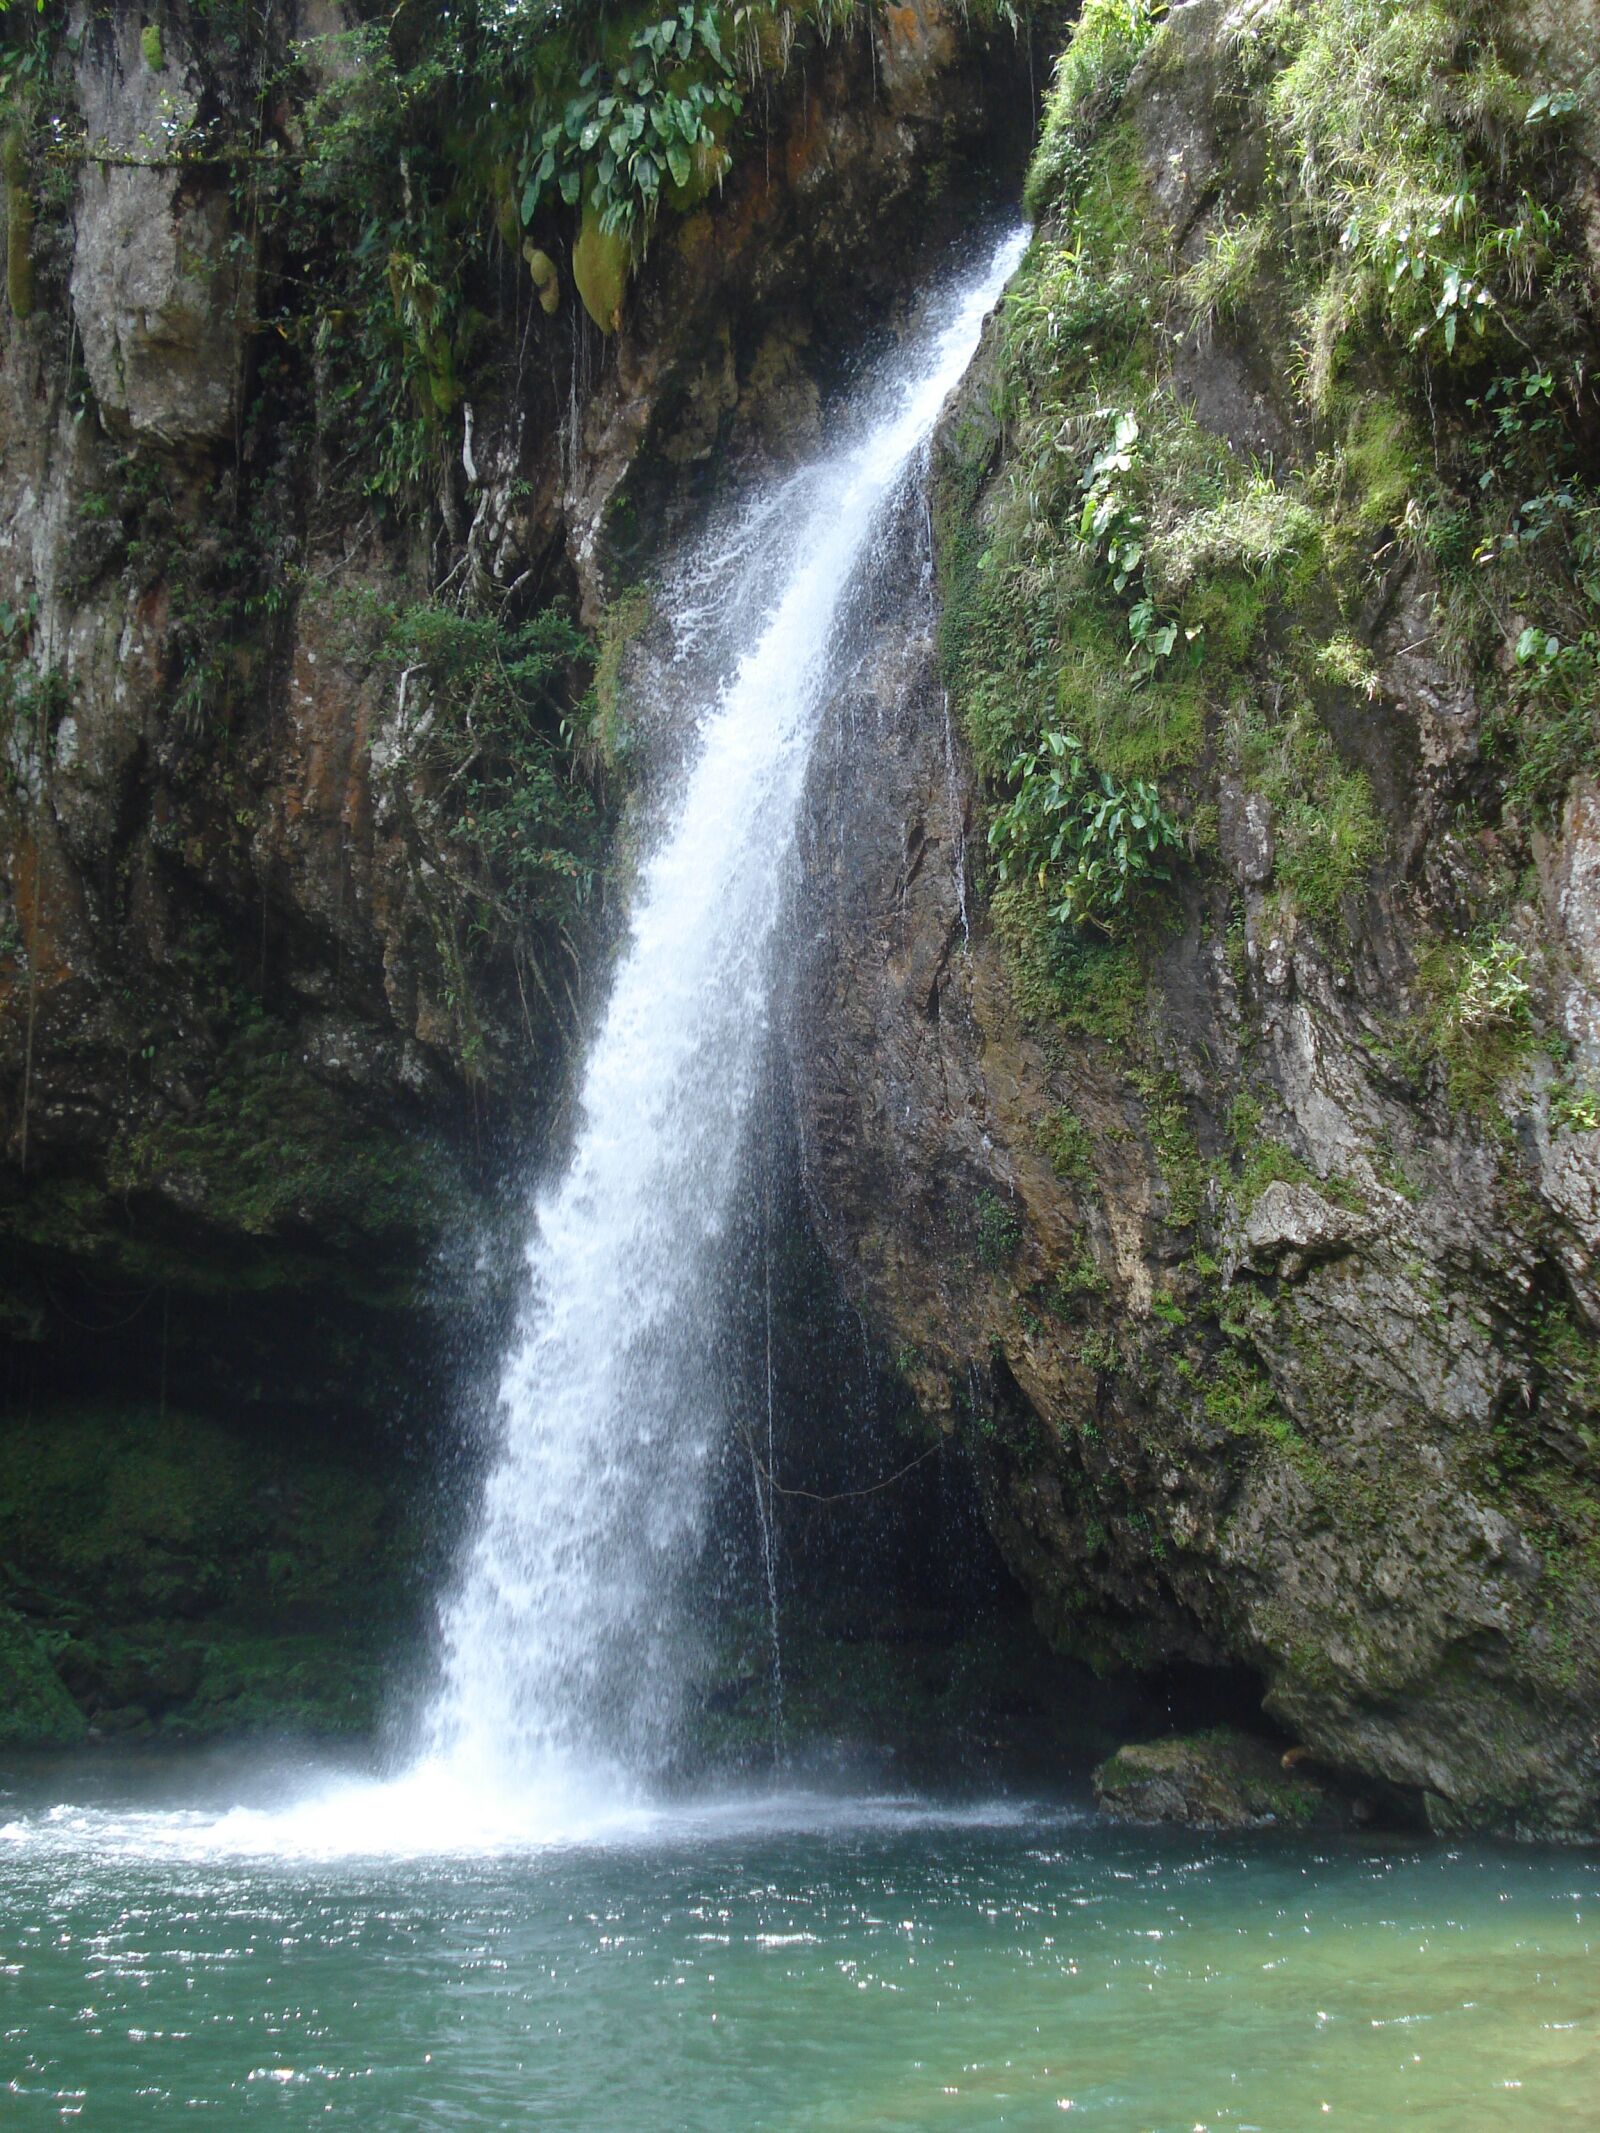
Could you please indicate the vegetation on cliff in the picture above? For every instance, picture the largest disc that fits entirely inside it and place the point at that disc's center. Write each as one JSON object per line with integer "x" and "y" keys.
{"x": 1405, "y": 236}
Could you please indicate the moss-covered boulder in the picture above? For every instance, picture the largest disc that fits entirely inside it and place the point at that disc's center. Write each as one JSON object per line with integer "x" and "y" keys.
{"x": 1217, "y": 1780}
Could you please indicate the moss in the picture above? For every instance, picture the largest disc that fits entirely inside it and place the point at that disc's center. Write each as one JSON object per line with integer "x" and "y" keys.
{"x": 1091, "y": 77}
{"x": 624, "y": 621}
{"x": 1328, "y": 832}
{"x": 602, "y": 260}
{"x": 1384, "y": 460}
{"x": 1130, "y": 731}
{"x": 320, "y": 1686}
{"x": 1166, "y": 1117}
{"x": 1080, "y": 1276}
{"x": 1264, "y": 1161}
{"x": 195, "y": 1575}
{"x": 1238, "y": 253}
{"x": 150, "y": 46}
{"x": 1092, "y": 988}
{"x": 1476, "y": 1021}
{"x": 1241, "y": 1400}
{"x": 271, "y": 1151}
{"x": 997, "y": 1236}
{"x": 152, "y": 1511}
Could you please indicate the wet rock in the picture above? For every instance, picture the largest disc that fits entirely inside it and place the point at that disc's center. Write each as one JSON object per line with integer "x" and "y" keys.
{"x": 1247, "y": 833}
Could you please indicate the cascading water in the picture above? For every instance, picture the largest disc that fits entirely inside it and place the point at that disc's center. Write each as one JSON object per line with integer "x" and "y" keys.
{"x": 562, "y": 1647}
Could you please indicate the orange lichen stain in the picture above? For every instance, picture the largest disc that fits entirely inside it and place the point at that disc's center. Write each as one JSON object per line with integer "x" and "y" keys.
{"x": 903, "y": 24}
{"x": 355, "y": 812}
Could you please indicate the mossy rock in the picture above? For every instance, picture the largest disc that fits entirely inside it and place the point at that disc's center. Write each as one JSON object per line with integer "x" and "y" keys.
{"x": 147, "y": 1517}
{"x": 321, "y": 1686}
{"x": 602, "y": 260}
{"x": 545, "y": 277}
{"x": 709, "y": 164}
{"x": 35, "y": 1709}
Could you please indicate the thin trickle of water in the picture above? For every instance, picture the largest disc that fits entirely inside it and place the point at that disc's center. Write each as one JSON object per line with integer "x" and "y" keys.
{"x": 767, "y": 1493}
{"x": 563, "y": 1647}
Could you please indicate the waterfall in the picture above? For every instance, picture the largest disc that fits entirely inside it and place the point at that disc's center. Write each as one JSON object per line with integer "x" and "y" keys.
{"x": 563, "y": 1638}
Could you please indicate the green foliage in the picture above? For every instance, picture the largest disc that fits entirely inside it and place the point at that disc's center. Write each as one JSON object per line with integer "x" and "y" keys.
{"x": 498, "y": 720}
{"x": 1574, "y": 1108}
{"x": 1239, "y": 1398}
{"x": 1417, "y": 200}
{"x": 187, "y": 1572}
{"x": 1328, "y": 832}
{"x": 35, "y": 1710}
{"x": 19, "y": 220}
{"x": 1064, "y": 1138}
{"x": 649, "y": 124}
{"x": 1091, "y": 75}
{"x": 1477, "y": 1018}
{"x": 1218, "y": 285}
{"x": 455, "y": 137}
{"x": 1078, "y": 1277}
{"x": 271, "y": 1151}
{"x": 1166, "y": 1114}
{"x": 1551, "y": 722}
{"x": 1088, "y": 842}
{"x": 1093, "y": 988}
{"x": 1398, "y": 124}
{"x": 33, "y": 699}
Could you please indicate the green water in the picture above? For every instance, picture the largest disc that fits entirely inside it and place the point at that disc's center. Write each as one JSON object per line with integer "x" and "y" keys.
{"x": 791, "y": 1965}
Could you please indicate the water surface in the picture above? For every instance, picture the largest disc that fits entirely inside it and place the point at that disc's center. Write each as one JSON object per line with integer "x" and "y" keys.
{"x": 789, "y": 1963}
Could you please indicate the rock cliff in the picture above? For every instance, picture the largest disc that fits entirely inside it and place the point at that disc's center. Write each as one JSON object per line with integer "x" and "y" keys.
{"x": 1196, "y": 1046}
